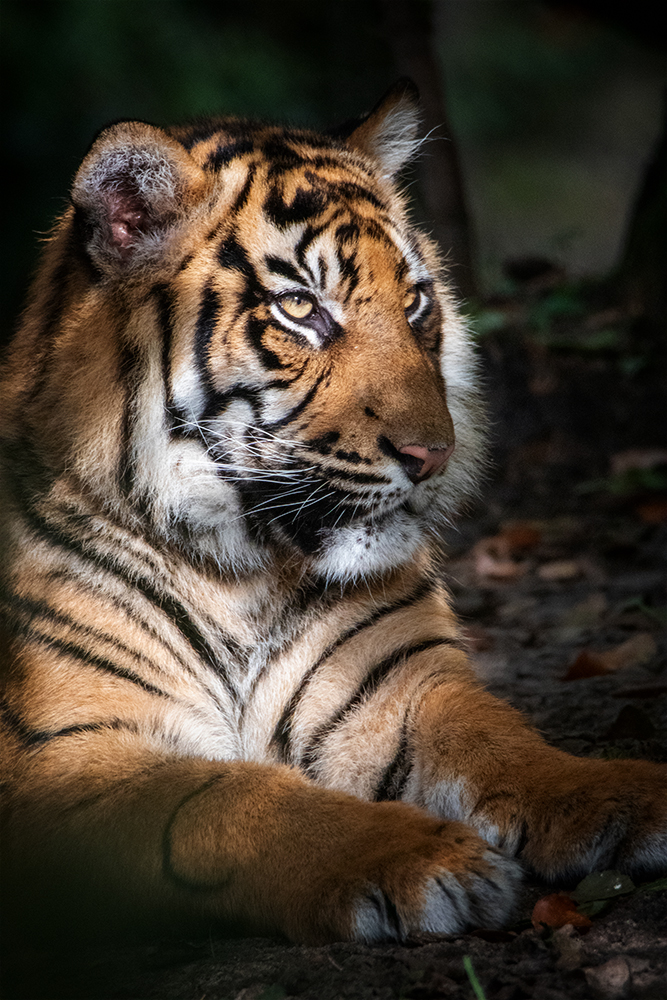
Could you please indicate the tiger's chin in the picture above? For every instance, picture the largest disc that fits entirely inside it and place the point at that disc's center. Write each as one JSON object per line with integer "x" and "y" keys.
{"x": 368, "y": 549}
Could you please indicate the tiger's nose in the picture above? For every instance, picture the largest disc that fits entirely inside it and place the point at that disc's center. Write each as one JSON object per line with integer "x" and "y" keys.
{"x": 421, "y": 463}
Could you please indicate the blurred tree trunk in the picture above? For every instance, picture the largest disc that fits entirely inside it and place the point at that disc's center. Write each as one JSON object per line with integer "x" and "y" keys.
{"x": 409, "y": 30}
{"x": 643, "y": 267}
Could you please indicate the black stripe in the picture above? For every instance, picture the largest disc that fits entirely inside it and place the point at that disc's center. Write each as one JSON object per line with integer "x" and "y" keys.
{"x": 131, "y": 376}
{"x": 244, "y": 194}
{"x": 40, "y": 739}
{"x": 99, "y": 662}
{"x": 219, "y": 401}
{"x": 228, "y": 151}
{"x": 129, "y": 609}
{"x": 164, "y": 299}
{"x": 306, "y": 203}
{"x": 32, "y": 610}
{"x": 393, "y": 781}
{"x": 254, "y": 331}
{"x": 388, "y": 912}
{"x": 207, "y": 319}
{"x": 167, "y": 868}
{"x": 280, "y": 740}
{"x": 276, "y": 265}
{"x": 169, "y": 606}
{"x": 311, "y": 233}
{"x": 366, "y": 689}
{"x": 300, "y": 407}
{"x": 14, "y": 723}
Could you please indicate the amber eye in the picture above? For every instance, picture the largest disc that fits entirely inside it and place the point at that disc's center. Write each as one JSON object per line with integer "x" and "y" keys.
{"x": 296, "y": 306}
{"x": 410, "y": 299}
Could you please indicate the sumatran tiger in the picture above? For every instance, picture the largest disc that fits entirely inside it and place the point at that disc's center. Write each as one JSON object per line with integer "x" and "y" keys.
{"x": 239, "y": 406}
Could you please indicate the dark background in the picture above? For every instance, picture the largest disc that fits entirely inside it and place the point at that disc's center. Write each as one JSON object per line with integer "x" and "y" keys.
{"x": 553, "y": 108}
{"x": 543, "y": 176}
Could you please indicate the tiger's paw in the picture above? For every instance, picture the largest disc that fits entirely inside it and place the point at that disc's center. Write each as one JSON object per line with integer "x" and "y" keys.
{"x": 412, "y": 874}
{"x": 444, "y": 903}
{"x": 590, "y": 816}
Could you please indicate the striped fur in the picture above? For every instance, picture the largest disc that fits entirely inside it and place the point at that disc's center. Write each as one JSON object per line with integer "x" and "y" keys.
{"x": 234, "y": 688}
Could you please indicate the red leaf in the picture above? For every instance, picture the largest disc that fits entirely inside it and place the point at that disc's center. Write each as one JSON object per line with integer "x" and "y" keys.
{"x": 557, "y": 910}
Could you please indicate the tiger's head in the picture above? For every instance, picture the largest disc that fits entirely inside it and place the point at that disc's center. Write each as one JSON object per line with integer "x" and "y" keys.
{"x": 255, "y": 350}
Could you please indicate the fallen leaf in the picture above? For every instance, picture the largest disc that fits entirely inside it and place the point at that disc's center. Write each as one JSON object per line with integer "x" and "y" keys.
{"x": 652, "y": 512}
{"x": 521, "y": 535}
{"x": 602, "y": 885}
{"x": 559, "y": 569}
{"x": 587, "y": 613}
{"x": 557, "y": 910}
{"x": 492, "y": 558}
{"x": 637, "y": 458}
{"x": 586, "y": 664}
{"x": 658, "y": 886}
{"x": 633, "y": 653}
{"x": 477, "y": 638}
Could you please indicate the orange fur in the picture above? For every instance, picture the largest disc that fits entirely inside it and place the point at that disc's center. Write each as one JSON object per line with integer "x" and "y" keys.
{"x": 233, "y": 689}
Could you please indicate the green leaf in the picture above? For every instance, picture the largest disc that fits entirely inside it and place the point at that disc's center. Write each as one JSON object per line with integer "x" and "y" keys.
{"x": 602, "y": 885}
{"x": 657, "y": 886}
{"x": 593, "y": 907}
{"x": 273, "y": 992}
{"x": 477, "y": 988}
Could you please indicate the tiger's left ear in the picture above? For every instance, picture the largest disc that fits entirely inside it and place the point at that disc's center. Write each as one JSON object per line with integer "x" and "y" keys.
{"x": 389, "y": 134}
{"x": 130, "y": 191}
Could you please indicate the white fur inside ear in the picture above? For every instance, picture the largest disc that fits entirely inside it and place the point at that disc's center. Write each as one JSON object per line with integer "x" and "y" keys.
{"x": 147, "y": 171}
{"x": 397, "y": 140}
{"x": 131, "y": 187}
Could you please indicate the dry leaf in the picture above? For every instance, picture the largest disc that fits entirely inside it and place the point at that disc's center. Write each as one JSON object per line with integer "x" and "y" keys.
{"x": 637, "y": 458}
{"x": 652, "y": 512}
{"x": 477, "y": 638}
{"x": 638, "y": 650}
{"x": 521, "y": 535}
{"x": 557, "y": 910}
{"x": 587, "y": 664}
{"x": 587, "y": 613}
{"x": 492, "y": 557}
{"x": 559, "y": 569}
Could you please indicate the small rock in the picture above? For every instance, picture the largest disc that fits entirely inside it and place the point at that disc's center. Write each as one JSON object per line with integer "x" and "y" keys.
{"x": 610, "y": 981}
{"x": 559, "y": 569}
{"x": 571, "y": 947}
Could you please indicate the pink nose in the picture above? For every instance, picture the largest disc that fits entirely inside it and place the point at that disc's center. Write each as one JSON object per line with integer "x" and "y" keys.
{"x": 420, "y": 463}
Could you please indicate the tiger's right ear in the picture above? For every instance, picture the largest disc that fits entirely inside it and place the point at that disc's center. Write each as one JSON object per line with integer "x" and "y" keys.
{"x": 131, "y": 188}
{"x": 389, "y": 134}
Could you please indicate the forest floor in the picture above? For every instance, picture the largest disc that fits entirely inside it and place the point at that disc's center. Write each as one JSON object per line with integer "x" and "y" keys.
{"x": 559, "y": 577}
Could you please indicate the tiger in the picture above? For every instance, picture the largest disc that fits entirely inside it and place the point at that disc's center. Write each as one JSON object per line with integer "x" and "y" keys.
{"x": 241, "y": 405}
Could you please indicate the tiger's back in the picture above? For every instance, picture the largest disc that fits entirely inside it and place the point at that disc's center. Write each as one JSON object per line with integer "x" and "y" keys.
{"x": 230, "y": 417}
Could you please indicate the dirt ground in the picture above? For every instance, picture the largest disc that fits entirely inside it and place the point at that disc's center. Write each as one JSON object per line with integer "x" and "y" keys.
{"x": 559, "y": 572}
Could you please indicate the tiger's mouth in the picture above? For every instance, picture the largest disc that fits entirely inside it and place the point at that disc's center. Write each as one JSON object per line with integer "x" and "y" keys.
{"x": 302, "y": 513}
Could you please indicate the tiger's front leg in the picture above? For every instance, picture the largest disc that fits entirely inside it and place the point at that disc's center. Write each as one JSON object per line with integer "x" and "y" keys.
{"x": 477, "y": 760}
{"x": 173, "y": 843}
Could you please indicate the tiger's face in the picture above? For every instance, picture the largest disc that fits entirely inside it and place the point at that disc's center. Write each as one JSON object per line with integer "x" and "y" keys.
{"x": 303, "y": 361}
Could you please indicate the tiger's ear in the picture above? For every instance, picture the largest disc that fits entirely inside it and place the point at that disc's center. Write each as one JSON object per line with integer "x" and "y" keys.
{"x": 130, "y": 191}
{"x": 389, "y": 133}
